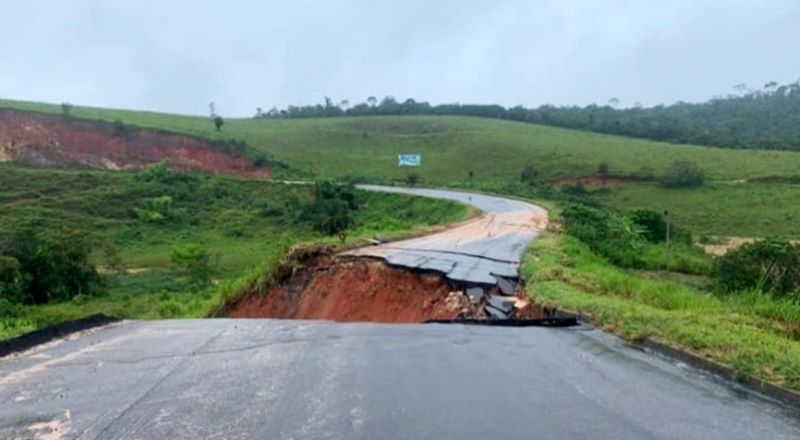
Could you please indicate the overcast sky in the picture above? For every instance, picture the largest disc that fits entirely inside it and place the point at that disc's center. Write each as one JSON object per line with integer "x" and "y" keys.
{"x": 178, "y": 55}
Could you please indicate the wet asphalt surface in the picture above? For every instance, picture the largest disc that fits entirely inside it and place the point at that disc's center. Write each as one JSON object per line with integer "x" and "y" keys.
{"x": 273, "y": 379}
{"x": 473, "y": 253}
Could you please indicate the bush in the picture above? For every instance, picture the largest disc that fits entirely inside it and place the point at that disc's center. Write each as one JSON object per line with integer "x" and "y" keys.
{"x": 590, "y": 225}
{"x": 195, "y": 262}
{"x": 654, "y": 227}
{"x": 332, "y": 210}
{"x": 42, "y": 267}
{"x": 770, "y": 265}
{"x": 683, "y": 173}
{"x": 156, "y": 172}
{"x": 412, "y": 179}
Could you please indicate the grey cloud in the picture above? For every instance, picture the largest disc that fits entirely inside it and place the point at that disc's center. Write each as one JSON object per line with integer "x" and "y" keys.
{"x": 179, "y": 55}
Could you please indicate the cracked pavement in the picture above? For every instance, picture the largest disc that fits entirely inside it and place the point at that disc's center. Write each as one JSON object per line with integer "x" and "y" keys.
{"x": 474, "y": 252}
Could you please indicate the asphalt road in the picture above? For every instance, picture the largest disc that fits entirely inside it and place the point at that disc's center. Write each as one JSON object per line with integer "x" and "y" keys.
{"x": 474, "y": 252}
{"x": 272, "y": 379}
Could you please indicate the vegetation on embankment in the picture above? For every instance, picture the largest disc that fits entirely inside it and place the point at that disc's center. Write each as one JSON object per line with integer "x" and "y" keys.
{"x": 751, "y": 331}
{"x": 170, "y": 244}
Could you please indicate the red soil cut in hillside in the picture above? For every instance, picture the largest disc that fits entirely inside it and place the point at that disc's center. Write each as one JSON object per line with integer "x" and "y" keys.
{"x": 356, "y": 290}
{"x": 59, "y": 141}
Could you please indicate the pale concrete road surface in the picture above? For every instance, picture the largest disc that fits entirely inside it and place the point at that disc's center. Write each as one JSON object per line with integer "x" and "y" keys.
{"x": 474, "y": 252}
{"x": 272, "y": 379}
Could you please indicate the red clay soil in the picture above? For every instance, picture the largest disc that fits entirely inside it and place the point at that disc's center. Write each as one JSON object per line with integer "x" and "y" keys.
{"x": 54, "y": 140}
{"x": 356, "y": 290}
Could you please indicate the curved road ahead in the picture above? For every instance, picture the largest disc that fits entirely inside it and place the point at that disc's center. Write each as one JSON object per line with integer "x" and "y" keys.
{"x": 273, "y": 379}
{"x": 474, "y": 252}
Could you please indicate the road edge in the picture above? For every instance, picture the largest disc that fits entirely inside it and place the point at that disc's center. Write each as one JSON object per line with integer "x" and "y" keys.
{"x": 751, "y": 383}
{"x": 37, "y": 337}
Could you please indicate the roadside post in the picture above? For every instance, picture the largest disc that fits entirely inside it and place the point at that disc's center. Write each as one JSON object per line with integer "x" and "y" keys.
{"x": 666, "y": 257}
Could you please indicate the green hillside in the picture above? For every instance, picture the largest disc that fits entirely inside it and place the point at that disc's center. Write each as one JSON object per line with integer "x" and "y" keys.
{"x": 132, "y": 224}
{"x": 496, "y": 151}
{"x": 450, "y": 146}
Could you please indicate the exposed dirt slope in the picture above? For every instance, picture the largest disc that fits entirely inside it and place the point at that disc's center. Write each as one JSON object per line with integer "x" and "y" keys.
{"x": 54, "y": 140}
{"x": 356, "y": 290}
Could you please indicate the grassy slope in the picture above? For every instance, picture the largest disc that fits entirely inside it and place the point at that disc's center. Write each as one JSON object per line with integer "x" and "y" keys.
{"x": 720, "y": 209}
{"x": 237, "y": 219}
{"x": 753, "y": 333}
{"x": 497, "y": 150}
{"x": 451, "y": 146}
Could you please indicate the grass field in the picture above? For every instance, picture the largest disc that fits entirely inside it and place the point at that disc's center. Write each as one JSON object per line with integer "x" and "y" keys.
{"x": 721, "y": 209}
{"x": 245, "y": 223}
{"x": 450, "y": 146}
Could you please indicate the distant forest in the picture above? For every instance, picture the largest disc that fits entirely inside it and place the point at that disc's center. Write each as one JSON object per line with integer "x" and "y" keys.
{"x": 768, "y": 118}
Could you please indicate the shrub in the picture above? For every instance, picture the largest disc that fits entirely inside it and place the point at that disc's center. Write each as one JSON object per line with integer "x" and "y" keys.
{"x": 654, "y": 227}
{"x": 11, "y": 280}
{"x": 42, "y": 267}
{"x": 331, "y": 212}
{"x": 770, "y": 265}
{"x": 683, "y": 173}
{"x": 120, "y": 128}
{"x": 412, "y": 179}
{"x": 590, "y": 225}
{"x": 156, "y": 172}
{"x": 195, "y": 262}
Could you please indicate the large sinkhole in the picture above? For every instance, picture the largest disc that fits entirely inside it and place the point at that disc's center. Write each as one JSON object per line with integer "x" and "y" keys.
{"x": 316, "y": 284}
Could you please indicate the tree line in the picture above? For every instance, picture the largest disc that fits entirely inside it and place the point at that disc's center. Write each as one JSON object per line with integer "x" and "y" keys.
{"x": 765, "y": 118}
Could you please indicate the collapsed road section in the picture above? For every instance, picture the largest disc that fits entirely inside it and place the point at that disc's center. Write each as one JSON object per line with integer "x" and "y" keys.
{"x": 469, "y": 271}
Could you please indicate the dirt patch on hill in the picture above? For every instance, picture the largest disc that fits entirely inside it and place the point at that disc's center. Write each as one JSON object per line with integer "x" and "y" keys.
{"x": 58, "y": 141}
{"x": 356, "y": 290}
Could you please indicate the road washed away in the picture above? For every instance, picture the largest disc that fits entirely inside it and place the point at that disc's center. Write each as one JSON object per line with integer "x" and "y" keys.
{"x": 483, "y": 251}
{"x": 468, "y": 271}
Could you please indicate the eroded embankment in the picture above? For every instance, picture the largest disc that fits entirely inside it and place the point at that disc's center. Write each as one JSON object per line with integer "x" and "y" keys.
{"x": 58, "y": 141}
{"x": 354, "y": 289}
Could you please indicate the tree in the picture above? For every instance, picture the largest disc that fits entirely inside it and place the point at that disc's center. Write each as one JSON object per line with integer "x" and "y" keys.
{"x": 372, "y": 101}
{"x": 218, "y": 122}
{"x": 603, "y": 171}
{"x": 212, "y": 109}
{"x": 683, "y": 173}
{"x": 66, "y": 108}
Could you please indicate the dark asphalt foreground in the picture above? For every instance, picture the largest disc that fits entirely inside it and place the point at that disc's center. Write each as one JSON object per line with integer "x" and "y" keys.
{"x": 272, "y": 379}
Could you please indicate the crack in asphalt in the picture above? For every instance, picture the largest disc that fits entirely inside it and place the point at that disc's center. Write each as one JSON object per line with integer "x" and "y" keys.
{"x": 154, "y": 386}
